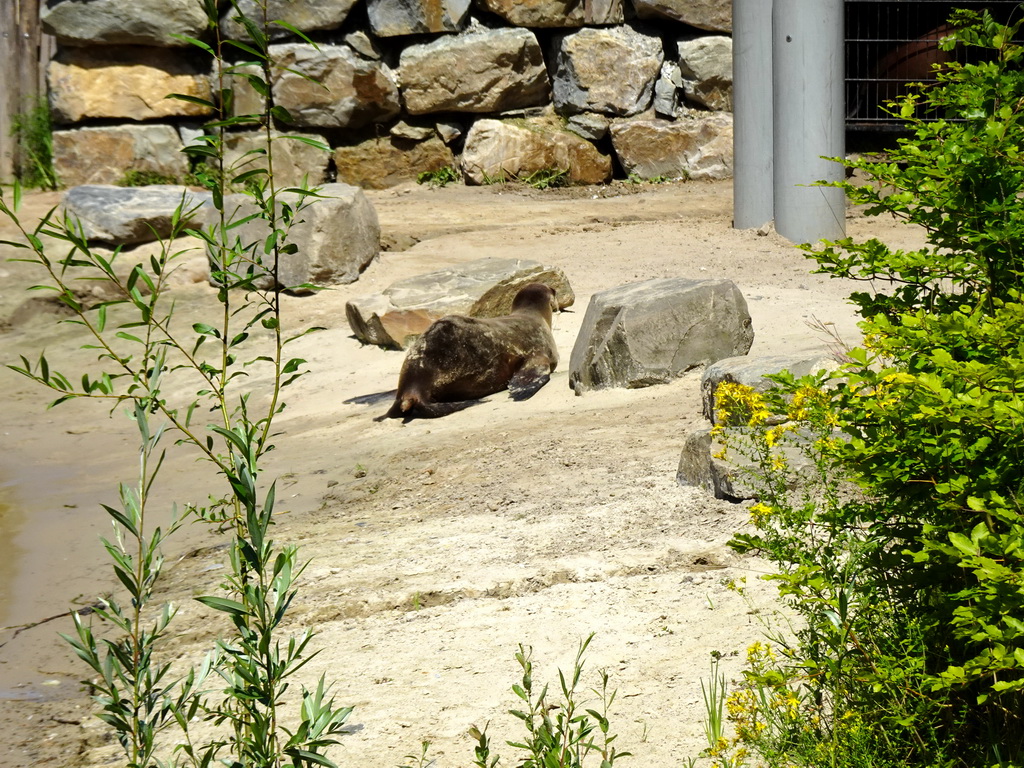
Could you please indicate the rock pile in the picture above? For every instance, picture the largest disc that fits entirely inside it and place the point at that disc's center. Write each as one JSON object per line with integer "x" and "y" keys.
{"x": 398, "y": 87}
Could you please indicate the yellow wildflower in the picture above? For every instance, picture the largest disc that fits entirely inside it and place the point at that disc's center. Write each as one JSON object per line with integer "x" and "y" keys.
{"x": 760, "y": 512}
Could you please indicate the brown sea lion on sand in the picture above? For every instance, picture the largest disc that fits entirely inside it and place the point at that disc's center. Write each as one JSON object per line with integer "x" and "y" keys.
{"x": 464, "y": 358}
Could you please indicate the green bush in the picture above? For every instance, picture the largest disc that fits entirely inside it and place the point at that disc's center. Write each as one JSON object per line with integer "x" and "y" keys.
{"x": 562, "y": 733}
{"x": 903, "y": 558}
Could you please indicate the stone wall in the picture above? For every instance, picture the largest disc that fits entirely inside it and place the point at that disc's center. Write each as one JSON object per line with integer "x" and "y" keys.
{"x": 497, "y": 88}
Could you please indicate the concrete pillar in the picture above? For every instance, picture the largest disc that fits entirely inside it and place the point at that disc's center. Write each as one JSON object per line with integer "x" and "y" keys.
{"x": 809, "y": 120}
{"x": 753, "y": 185}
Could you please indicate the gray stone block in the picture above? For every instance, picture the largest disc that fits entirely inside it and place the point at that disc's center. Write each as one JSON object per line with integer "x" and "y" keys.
{"x": 651, "y": 332}
{"x": 128, "y": 215}
{"x": 336, "y": 236}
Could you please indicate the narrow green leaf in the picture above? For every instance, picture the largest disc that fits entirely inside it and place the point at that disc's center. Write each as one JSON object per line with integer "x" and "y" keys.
{"x": 223, "y": 604}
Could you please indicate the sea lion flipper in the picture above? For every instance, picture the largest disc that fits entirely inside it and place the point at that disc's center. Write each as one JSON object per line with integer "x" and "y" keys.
{"x": 531, "y": 377}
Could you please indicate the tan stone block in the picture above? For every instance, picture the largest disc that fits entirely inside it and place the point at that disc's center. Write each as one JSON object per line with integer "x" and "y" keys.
{"x": 385, "y": 162}
{"x": 103, "y": 155}
{"x": 127, "y": 82}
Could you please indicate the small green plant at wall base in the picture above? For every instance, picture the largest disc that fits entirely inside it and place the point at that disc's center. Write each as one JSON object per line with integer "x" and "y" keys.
{"x": 547, "y": 178}
{"x": 440, "y": 177}
{"x": 498, "y": 178}
{"x": 33, "y": 132}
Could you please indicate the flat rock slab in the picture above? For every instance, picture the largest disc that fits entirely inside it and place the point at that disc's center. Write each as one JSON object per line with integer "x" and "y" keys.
{"x": 481, "y": 288}
{"x": 304, "y": 15}
{"x": 652, "y": 332}
{"x": 128, "y": 215}
{"x": 712, "y": 15}
{"x": 127, "y": 82}
{"x": 386, "y": 162}
{"x": 332, "y": 86}
{"x": 608, "y": 70}
{"x": 481, "y": 70}
{"x": 114, "y": 22}
{"x": 752, "y": 372}
{"x": 295, "y": 161}
{"x": 392, "y": 18}
{"x": 706, "y": 68}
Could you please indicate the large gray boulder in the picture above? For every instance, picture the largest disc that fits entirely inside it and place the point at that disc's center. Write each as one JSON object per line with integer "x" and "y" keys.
{"x": 115, "y": 22}
{"x": 126, "y": 82}
{"x": 304, "y": 15}
{"x": 130, "y": 215}
{"x": 610, "y": 70}
{"x": 698, "y": 147}
{"x": 753, "y": 372}
{"x": 481, "y": 288}
{"x": 336, "y": 237}
{"x": 482, "y": 70}
{"x": 706, "y": 67}
{"x": 538, "y": 13}
{"x": 295, "y": 161}
{"x": 102, "y": 154}
{"x": 331, "y": 86}
{"x": 712, "y": 15}
{"x": 652, "y": 332}
{"x": 498, "y": 149}
{"x": 391, "y": 18}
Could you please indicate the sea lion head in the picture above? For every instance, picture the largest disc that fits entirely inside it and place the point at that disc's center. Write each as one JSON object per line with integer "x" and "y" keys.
{"x": 536, "y": 297}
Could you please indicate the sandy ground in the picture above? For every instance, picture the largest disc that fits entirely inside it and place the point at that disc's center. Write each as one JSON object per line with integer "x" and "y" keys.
{"x": 436, "y": 546}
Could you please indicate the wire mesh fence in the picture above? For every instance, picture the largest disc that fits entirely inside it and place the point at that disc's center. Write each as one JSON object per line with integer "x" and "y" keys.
{"x": 893, "y": 44}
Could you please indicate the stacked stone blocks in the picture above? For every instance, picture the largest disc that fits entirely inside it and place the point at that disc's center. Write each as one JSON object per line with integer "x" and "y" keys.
{"x": 501, "y": 88}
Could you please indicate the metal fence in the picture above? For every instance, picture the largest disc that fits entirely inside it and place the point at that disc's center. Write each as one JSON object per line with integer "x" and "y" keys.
{"x": 893, "y": 43}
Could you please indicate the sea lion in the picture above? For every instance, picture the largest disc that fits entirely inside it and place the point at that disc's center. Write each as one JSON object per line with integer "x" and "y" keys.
{"x": 462, "y": 358}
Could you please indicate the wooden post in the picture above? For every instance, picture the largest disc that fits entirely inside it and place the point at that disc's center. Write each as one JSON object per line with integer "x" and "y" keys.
{"x": 24, "y": 55}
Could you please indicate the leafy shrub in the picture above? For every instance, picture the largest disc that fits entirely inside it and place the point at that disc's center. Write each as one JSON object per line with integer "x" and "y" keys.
{"x": 908, "y": 644}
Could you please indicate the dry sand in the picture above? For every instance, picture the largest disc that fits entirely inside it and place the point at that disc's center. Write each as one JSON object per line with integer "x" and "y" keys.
{"x": 437, "y": 546}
